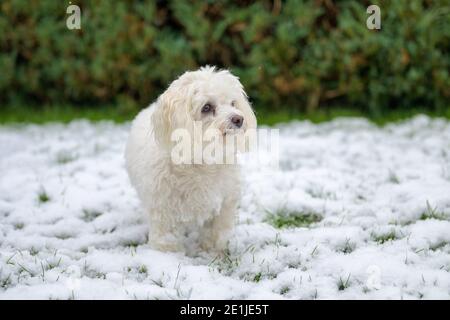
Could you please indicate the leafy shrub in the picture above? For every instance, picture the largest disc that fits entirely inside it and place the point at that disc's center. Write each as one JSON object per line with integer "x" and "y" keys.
{"x": 289, "y": 54}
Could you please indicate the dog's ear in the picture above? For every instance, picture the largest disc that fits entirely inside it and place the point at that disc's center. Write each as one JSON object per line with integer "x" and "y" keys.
{"x": 173, "y": 108}
{"x": 249, "y": 115}
{"x": 171, "y": 113}
{"x": 162, "y": 119}
{"x": 243, "y": 103}
{"x": 248, "y": 141}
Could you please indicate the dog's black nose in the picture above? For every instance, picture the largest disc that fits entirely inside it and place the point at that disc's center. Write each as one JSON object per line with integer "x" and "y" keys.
{"x": 237, "y": 120}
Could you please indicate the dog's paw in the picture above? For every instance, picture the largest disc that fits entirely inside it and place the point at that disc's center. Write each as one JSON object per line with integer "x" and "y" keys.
{"x": 166, "y": 246}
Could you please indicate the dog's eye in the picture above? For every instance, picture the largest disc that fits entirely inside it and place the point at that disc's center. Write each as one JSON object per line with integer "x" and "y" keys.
{"x": 207, "y": 108}
{"x": 233, "y": 103}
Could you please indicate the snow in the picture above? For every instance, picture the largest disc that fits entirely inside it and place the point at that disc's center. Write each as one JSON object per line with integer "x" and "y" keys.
{"x": 383, "y": 195}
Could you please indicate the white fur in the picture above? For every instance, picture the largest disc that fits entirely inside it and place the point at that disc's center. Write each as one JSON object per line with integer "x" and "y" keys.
{"x": 185, "y": 202}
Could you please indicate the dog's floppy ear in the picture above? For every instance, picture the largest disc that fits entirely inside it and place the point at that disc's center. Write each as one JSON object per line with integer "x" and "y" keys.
{"x": 243, "y": 103}
{"x": 248, "y": 141}
{"x": 173, "y": 108}
{"x": 162, "y": 119}
{"x": 171, "y": 112}
{"x": 249, "y": 115}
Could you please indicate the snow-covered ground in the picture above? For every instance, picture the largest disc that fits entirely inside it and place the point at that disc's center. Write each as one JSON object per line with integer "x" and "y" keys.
{"x": 373, "y": 206}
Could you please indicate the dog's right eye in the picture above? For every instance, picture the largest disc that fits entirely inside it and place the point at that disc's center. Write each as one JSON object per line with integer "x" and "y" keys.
{"x": 207, "y": 108}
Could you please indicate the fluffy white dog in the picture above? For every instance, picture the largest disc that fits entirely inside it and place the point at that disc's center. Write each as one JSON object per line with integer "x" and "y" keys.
{"x": 188, "y": 201}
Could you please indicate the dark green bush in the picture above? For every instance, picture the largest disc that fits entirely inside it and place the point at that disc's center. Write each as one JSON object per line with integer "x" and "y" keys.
{"x": 289, "y": 54}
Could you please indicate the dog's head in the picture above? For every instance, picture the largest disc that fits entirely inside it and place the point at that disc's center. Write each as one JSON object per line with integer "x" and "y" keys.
{"x": 214, "y": 98}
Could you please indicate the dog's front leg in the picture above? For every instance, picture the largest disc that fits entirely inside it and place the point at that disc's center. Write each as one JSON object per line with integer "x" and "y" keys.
{"x": 164, "y": 237}
{"x": 216, "y": 236}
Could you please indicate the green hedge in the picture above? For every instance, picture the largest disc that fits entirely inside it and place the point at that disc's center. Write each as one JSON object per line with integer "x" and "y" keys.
{"x": 289, "y": 54}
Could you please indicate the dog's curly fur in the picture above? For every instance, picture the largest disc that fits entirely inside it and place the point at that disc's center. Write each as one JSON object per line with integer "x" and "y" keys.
{"x": 196, "y": 201}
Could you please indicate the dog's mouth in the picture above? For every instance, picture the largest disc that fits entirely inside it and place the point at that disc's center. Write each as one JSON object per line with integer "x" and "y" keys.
{"x": 233, "y": 131}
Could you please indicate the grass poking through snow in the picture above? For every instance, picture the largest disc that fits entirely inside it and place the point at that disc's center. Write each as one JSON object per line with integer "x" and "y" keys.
{"x": 346, "y": 247}
{"x": 343, "y": 284}
{"x": 384, "y": 237}
{"x": 90, "y": 215}
{"x": 43, "y": 196}
{"x": 433, "y": 213}
{"x": 284, "y": 219}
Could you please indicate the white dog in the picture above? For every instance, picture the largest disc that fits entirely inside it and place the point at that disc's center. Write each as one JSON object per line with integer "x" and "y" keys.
{"x": 188, "y": 201}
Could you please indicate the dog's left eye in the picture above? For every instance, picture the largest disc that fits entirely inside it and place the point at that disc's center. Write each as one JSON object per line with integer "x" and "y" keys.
{"x": 207, "y": 108}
